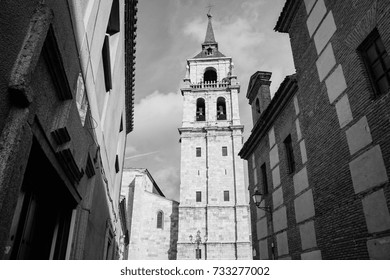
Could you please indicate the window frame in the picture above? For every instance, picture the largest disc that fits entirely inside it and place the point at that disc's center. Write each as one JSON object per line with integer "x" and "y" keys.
{"x": 288, "y": 147}
{"x": 198, "y": 253}
{"x": 200, "y": 104}
{"x": 106, "y": 58}
{"x": 198, "y": 152}
{"x": 198, "y": 197}
{"x": 226, "y": 196}
{"x": 264, "y": 178}
{"x": 364, "y": 47}
{"x": 160, "y": 219}
{"x": 221, "y": 102}
{"x": 224, "y": 151}
{"x": 257, "y": 106}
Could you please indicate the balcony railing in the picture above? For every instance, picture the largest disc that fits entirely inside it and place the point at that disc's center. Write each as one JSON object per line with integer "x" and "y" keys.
{"x": 210, "y": 84}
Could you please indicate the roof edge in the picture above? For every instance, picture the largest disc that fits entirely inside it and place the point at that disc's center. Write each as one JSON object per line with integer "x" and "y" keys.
{"x": 286, "y": 91}
{"x": 287, "y": 15}
{"x": 130, "y": 42}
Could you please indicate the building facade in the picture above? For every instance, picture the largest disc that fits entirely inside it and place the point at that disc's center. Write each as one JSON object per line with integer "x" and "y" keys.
{"x": 213, "y": 198}
{"x": 152, "y": 218}
{"x": 66, "y": 91}
{"x": 319, "y": 149}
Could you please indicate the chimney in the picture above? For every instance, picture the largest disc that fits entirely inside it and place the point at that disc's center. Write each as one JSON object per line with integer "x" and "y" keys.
{"x": 259, "y": 93}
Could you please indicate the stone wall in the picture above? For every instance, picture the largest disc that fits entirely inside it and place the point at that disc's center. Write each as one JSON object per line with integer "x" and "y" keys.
{"x": 147, "y": 242}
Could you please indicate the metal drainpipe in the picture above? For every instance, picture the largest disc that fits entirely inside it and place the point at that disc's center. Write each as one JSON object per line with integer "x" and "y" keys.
{"x": 234, "y": 180}
{"x": 207, "y": 191}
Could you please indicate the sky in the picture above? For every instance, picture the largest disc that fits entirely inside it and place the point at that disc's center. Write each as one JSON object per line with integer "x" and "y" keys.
{"x": 172, "y": 31}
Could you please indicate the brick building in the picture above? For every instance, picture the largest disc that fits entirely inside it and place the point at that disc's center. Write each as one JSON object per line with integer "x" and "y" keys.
{"x": 213, "y": 198}
{"x": 66, "y": 106}
{"x": 152, "y": 218}
{"x": 319, "y": 150}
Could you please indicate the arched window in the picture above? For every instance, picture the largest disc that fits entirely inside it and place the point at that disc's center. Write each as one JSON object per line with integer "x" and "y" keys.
{"x": 160, "y": 219}
{"x": 210, "y": 75}
{"x": 221, "y": 108}
{"x": 257, "y": 106}
{"x": 200, "y": 110}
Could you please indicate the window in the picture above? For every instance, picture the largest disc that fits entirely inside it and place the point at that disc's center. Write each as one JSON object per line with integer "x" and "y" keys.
{"x": 114, "y": 21}
{"x": 121, "y": 125}
{"x": 160, "y": 219}
{"x": 198, "y": 254}
{"x": 200, "y": 110}
{"x": 81, "y": 99}
{"x": 377, "y": 62}
{"x": 113, "y": 27}
{"x": 198, "y": 196}
{"x": 107, "y": 63}
{"x": 224, "y": 151}
{"x": 257, "y": 106}
{"x": 221, "y": 108}
{"x": 254, "y": 169}
{"x": 117, "y": 164}
{"x": 198, "y": 152}
{"x": 255, "y": 176}
{"x": 209, "y": 51}
{"x": 210, "y": 75}
{"x": 226, "y": 196}
{"x": 264, "y": 178}
{"x": 290, "y": 154}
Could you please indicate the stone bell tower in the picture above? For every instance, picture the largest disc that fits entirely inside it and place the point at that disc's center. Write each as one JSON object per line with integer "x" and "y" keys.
{"x": 212, "y": 191}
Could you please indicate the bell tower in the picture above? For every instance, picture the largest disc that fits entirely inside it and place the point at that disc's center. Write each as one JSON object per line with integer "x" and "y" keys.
{"x": 213, "y": 197}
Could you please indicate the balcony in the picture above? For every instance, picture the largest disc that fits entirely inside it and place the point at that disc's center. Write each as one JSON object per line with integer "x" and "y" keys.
{"x": 210, "y": 84}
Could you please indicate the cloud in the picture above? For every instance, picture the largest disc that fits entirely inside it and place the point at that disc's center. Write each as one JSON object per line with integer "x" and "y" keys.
{"x": 169, "y": 179}
{"x": 154, "y": 144}
{"x": 172, "y": 31}
{"x": 157, "y": 117}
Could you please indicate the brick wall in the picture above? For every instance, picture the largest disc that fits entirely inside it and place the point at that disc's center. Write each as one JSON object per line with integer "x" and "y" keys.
{"x": 337, "y": 200}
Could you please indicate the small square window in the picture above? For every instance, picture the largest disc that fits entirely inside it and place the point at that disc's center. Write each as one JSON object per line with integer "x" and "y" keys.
{"x": 224, "y": 151}
{"x": 377, "y": 62}
{"x": 198, "y": 196}
{"x": 226, "y": 196}
{"x": 198, "y": 152}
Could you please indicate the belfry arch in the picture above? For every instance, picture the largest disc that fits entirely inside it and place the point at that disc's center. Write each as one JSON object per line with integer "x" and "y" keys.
{"x": 210, "y": 75}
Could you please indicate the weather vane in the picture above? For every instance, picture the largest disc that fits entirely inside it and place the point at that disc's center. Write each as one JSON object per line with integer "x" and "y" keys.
{"x": 209, "y": 7}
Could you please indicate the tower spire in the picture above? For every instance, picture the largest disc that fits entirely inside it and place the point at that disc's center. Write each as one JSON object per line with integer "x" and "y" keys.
{"x": 209, "y": 39}
{"x": 209, "y": 46}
